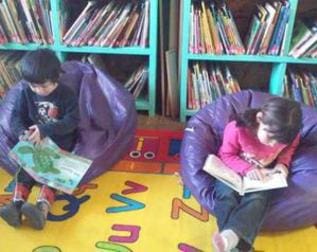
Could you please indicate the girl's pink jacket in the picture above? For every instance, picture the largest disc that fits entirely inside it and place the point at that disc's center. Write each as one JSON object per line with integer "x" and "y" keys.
{"x": 237, "y": 140}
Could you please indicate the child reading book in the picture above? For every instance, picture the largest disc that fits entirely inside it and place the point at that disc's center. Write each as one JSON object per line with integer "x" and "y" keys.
{"x": 44, "y": 108}
{"x": 253, "y": 141}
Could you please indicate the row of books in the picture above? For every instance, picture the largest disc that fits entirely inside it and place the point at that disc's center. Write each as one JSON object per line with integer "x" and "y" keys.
{"x": 9, "y": 70}
{"x": 213, "y": 30}
{"x": 304, "y": 41}
{"x": 268, "y": 27}
{"x": 207, "y": 82}
{"x": 25, "y": 21}
{"x": 112, "y": 23}
{"x": 301, "y": 86}
{"x": 136, "y": 83}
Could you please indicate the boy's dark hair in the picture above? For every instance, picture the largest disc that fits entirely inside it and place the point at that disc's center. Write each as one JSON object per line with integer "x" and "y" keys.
{"x": 40, "y": 66}
{"x": 283, "y": 116}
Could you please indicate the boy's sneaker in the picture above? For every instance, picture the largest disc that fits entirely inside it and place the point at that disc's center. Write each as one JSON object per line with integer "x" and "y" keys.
{"x": 11, "y": 213}
{"x": 35, "y": 214}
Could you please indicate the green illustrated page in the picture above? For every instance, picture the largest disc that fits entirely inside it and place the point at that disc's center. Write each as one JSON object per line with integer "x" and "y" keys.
{"x": 50, "y": 165}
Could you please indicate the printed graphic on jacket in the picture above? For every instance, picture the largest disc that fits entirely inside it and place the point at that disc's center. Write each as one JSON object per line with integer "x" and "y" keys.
{"x": 47, "y": 112}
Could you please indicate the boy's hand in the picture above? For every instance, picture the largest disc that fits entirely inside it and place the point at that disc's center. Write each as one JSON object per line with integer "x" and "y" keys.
{"x": 24, "y": 136}
{"x": 34, "y": 134}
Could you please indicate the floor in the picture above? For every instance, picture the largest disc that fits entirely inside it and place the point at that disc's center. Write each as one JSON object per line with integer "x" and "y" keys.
{"x": 159, "y": 122}
{"x": 130, "y": 204}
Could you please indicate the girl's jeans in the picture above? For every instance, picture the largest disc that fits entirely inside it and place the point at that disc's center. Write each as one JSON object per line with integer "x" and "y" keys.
{"x": 242, "y": 214}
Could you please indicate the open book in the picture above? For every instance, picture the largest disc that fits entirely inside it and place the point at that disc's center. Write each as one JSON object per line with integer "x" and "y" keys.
{"x": 215, "y": 167}
{"x": 50, "y": 165}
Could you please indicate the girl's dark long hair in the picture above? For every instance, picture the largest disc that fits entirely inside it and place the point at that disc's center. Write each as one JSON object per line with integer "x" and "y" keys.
{"x": 247, "y": 118}
{"x": 283, "y": 117}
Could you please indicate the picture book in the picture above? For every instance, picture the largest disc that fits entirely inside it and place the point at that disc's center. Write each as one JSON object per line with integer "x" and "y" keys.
{"x": 50, "y": 165}
{"x": 215, "y": 167}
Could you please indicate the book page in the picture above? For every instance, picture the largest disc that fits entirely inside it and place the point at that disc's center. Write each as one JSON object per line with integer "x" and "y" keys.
{"x": 215, "y": 167}
{"x": 50, "y": 165}
{"x": 273, "y": 181}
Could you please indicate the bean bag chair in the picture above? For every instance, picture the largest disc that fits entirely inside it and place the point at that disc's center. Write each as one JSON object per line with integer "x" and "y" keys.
{"x": 291, "y": 207}
{"x": 107, "y": 118}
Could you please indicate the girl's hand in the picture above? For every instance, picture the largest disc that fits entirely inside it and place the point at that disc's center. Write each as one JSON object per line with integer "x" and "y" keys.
{"x": 282, "y": 169}
{"x": 34, "y": 134}
{"x": 255, "y": 174}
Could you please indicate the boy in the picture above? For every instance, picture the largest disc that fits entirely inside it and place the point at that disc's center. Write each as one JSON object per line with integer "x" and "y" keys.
{"x": 44, "y": 108}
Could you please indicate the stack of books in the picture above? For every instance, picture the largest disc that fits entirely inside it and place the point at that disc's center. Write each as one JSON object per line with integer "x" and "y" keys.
{"x": 268, "y": 27}
{"x": 304, "y": 41}
{"x": 207, "y": 82}
{"x": 301, "y": 86}
{"x": 25, "y": 21}
{"x": 111, "y": 24}
{"x": 9, "y": 70}
{"x": 213, "y": 29}
{"x": 137, "y": 81}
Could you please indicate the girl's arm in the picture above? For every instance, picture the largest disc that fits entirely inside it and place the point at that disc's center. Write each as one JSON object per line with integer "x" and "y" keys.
{"x": 230, "y": 150}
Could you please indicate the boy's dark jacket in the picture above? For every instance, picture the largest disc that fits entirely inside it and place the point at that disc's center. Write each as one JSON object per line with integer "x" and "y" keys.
{"x": 107, "y": 118}
{"x": 56, "y": 115}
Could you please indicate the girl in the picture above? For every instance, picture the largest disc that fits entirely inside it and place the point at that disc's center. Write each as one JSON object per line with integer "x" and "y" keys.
{"x": 269, "y": 137}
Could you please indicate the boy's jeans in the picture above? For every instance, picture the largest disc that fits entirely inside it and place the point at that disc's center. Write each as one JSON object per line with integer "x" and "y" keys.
{"x": 243, "y": 214}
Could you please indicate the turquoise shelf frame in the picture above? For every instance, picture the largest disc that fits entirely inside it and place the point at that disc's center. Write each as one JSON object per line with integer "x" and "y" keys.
{"x": 145, "y": 104}
{"x": 279, "y": 63}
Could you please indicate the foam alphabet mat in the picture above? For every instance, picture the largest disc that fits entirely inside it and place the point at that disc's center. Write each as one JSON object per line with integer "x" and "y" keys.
{"x": 138, "y": 206}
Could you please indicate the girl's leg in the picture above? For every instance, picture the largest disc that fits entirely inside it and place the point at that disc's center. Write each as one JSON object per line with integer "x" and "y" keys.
{"x": 247, "y": 218}
{"x": 238, "y": 216}
{"x": 226, "y": 200}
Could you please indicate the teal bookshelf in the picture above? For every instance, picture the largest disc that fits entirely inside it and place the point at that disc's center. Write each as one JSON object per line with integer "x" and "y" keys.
{"x": 145, "y": 104}
{"x": 279, "y": 63}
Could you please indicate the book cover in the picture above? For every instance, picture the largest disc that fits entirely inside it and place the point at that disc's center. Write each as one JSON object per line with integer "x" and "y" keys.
{"x": 213, "y": 29}
{"x": 270, "y": 24}
{"x": 50, "y": 165}
{"x": 300, "y": 34}
{"x": 208, "y": 41}
{"x": 280, "y": 29}
{"x": 258, "y": 36}
{"x": 216, "y": 168}
{"x": 253, "y": 31}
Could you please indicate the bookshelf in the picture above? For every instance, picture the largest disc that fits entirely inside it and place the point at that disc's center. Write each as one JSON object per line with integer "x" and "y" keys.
{"x": 150, "y": 52}
{"x": 278, "y": 64}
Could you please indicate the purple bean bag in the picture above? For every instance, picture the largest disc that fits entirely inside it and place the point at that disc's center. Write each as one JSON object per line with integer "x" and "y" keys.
{"x": 107, "y": 118}
{"x": 291, "y": 207}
